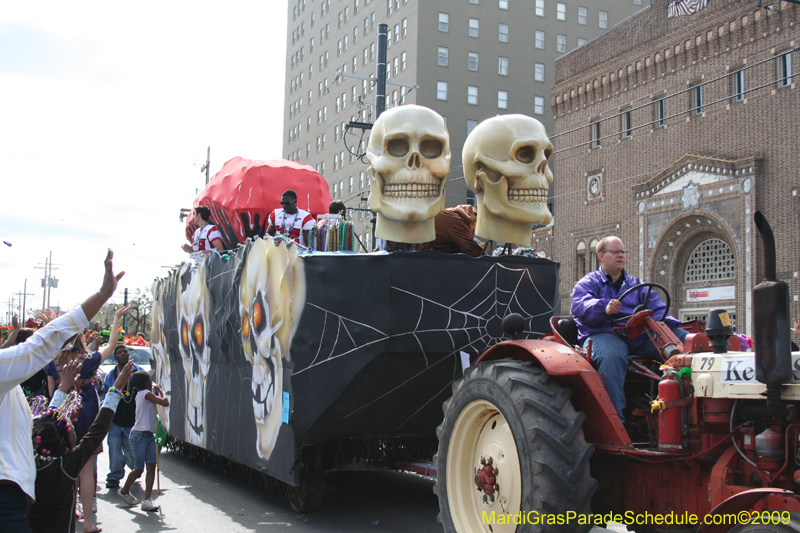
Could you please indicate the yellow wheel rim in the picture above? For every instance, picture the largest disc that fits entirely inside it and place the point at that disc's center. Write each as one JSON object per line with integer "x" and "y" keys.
{"x": 481, "y": 431}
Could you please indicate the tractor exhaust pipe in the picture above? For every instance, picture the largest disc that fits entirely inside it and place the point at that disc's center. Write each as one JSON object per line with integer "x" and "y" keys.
{"x": 771, "y": 320}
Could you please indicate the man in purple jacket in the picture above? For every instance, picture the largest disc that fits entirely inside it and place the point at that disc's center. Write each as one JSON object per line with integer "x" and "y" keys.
{"x": 594, "y": 304}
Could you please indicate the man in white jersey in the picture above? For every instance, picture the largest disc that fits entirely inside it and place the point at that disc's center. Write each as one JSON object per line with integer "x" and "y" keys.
{"x": 206, "y": 236}
{"x": 289, "y": 220}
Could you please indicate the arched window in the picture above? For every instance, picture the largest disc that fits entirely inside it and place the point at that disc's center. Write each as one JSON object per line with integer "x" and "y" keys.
{"x": 712, "y": 260}
{"x": 586, "y": 258}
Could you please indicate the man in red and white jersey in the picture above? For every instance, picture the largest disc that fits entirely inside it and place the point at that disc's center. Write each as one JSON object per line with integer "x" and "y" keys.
{"x": 206, "y": 236}
{"x": 289, "y": 220}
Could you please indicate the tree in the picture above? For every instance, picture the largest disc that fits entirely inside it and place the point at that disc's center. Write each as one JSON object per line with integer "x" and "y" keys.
{"x": 141, "y": 312}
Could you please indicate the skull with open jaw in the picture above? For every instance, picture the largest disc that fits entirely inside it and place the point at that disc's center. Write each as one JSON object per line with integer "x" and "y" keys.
{"x": 409, "y": 155}
{"x": 505, "y": 163}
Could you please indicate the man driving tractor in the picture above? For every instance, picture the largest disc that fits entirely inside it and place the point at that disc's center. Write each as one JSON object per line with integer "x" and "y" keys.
{"x": 596, "y": 299}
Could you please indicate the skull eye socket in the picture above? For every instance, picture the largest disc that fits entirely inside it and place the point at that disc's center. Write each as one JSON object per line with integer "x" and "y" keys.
{"x": 245, "y": 324}
{"x": 259, "y": 320}
{"x": 431, "y": 148}
{"x": 199, "y": 332}
{"x": 397, "y": 147}
{"x": 525, "y": 154}
{"x": 547, "y": 153}
{"x": 184, "y": 334}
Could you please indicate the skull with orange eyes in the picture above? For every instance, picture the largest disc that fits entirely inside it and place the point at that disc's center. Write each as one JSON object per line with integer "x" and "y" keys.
{"x": 193, "y": 304}
{"x": 158, "y": 348}
{"x": 265, "y": 306}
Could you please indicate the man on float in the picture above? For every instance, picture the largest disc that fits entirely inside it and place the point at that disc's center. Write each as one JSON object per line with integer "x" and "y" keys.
{"x": 206, "y": 236}
{"x": 594, "y": 304}
{"x": 290, "y": 221}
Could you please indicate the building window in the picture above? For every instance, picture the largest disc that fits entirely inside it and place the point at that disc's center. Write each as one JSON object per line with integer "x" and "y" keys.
{"x": 540, "y": 39}
{"x": 712, "y": 260}
{"x": 471, "y": 124}
{"x": 443, "y": 56}
{"x": 474, "y": 1}
{"x": 503, "y": 4}
{"x": 403, "y": 61}
{"x": 390, "y": 7}
{"x": 661, "y": 112}
{"x": 538, "y": 71}
{"x": 583, "y": 16}
{"x": 561, "y": 43}
{"x": 538, "y": 105}
{"x": 625, "y": 123}
{"x": 561, "y": 11}
{"x": 594, "y": 133}
{"x": 603, "y": 21}
{"x": 539, "y": 8}
{"x": 389, "y": 39}
{"x": 503, "y": 33}
{"x": 472, "y": 95}
{"x": 502, "y": 66}
{"x": 444, "y": 22}
{"x": 350, "y": 190}
{"x": 738, "y": 85}
{"x": 474, "y": 28}
{"x": 441, "y": 90}
{"x": 473, "y": 61}
{"x": 405, "y": 27}
{"x": 361, "y": 179}
{"x": 587, "y": 260}
{"x": 581, "y": 42}
{"x": 697, "y": 100}
{"x": 502, "y": 99}
{"x": 785, "y": 69}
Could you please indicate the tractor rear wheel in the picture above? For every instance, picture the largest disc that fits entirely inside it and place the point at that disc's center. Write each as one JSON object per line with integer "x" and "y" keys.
{"x": 792, "y": 527}
{"x": 511, "y": 450}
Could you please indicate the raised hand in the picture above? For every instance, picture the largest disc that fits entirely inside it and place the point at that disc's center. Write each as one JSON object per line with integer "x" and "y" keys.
{"x": 109, "y": 279}
{"x": 124, "y": 376}
{"x": 121, "y": 312}
{"x": 69, "y": 375}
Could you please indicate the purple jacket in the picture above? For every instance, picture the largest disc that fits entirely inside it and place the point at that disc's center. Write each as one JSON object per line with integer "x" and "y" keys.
{"x": 591, "y": 295}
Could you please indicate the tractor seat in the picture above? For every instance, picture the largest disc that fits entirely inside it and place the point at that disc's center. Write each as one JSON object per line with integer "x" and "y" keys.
{"x": 568, "y": 329}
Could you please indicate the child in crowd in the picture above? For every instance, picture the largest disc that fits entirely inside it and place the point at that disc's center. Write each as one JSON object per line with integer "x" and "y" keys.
{"x": 58, "y": 460}
{"x": 143, "y": 439}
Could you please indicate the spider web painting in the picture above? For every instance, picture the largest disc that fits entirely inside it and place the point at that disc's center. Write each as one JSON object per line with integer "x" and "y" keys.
{"x": 382, "y": 338}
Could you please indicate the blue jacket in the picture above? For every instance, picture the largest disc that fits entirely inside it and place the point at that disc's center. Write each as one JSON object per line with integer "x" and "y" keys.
{"x": 591, "y": 295}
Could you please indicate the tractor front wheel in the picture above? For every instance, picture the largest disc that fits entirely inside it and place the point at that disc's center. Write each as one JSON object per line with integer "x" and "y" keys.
{"x": 512, "y": 456}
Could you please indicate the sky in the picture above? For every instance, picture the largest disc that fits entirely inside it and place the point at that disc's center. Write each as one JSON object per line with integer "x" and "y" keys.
{"x": 106, "y": 113}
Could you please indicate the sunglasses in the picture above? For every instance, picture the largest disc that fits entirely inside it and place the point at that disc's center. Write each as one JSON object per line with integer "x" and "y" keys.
{"x": 287, "y": 203}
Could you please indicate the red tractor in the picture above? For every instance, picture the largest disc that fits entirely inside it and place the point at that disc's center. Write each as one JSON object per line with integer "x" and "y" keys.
{"x": 531, "y": 441}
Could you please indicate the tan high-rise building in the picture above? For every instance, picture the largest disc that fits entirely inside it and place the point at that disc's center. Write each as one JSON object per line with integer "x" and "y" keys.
{"x": 469, "y": 60}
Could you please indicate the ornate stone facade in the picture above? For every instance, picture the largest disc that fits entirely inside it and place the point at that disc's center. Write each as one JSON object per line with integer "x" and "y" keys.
{"x": 691, "y": 124}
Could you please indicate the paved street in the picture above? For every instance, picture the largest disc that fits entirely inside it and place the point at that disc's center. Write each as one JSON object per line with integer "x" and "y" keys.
{"x": 198, "y": 498}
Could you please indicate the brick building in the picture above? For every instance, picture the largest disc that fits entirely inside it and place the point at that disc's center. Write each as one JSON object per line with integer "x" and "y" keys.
{"x": 671, "y": 133}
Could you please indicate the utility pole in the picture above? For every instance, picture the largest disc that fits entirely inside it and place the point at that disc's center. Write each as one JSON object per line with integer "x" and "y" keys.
{"x": 207, "y": 166}
{"x": 380, "y": 98}
{"x": 23, "y": 295}
{"x": 125, "y": 304}
{"x": 48, "y": 281}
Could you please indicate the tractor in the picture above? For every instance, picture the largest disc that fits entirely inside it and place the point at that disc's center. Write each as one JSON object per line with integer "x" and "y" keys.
{"x": 530, "y": 440}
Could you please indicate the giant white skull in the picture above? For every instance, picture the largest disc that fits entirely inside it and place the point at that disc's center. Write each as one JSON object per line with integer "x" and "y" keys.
{"x": 409, "y": 156}
{"x": 193, "y": 303}
{"x": 269, "y": 294}
{"x": 158, "y": 346}
{"x": 505, "y": 164}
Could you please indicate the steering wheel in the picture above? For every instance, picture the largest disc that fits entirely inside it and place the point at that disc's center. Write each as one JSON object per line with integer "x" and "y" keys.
{"x": 616, "y": 320}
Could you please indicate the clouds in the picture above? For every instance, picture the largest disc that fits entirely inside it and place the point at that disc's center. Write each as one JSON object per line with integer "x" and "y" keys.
{"x": 106, "y": 109}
